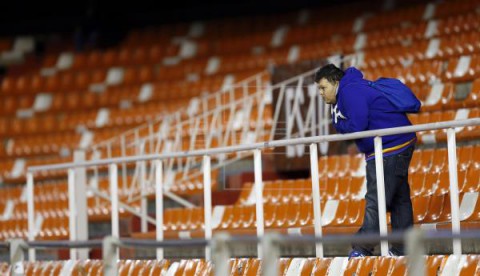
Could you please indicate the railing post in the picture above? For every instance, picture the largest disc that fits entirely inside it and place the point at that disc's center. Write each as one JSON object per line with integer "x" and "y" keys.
{"x": 81, "y": 205}
{"x": 317, "y": 211}
{"x": 207, "y": 202}
{"x": 143, "y": 192}
{"x": 257, "y": 160}
{"x": 110, "y": 256}
{"x": 72, "y": 212}
{"x": 113, "y": 171}
{"x": 454, "y": 199}
{"x": 159, "y": 205}
{"x": 270, "y": 260}
{"x": 123, "y": 150}
{"x": 221, "y": 254}
{"x": 31, "y": 215}
{"x": 382, "y": 209}
{"x": 17, "y": 256}
{"x": 415, "y": 250}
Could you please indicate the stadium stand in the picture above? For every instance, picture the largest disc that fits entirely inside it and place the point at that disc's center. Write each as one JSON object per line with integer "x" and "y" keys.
{"x": 73, "y": 100}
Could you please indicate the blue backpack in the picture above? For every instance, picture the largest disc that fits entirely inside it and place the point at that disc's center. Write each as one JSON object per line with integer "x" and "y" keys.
{"x": 398, "y": 94}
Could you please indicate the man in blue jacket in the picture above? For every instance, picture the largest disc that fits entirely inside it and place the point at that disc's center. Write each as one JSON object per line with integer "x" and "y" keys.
{"x": 355, "y": 106}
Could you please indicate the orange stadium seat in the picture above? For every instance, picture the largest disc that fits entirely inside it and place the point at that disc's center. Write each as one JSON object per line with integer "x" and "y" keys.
{"x": 158, "y": 77}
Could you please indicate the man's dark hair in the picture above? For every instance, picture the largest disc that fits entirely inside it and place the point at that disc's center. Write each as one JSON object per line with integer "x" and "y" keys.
{"x": 330, "y": 72}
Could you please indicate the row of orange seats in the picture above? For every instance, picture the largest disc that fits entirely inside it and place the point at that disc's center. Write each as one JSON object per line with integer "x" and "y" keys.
{"x": 95, "y": 267}
{"x": 421, "y": 71}
{"x": 395, "y": 17}
{"x": 451, "y": 46}
{"x": 319, "y": 32}
{"x": 53, "y": 143}
{"x": 143, "y": 54}
{"x": 436, "y": 209}
{"x": 470, "y": 72}
{"x": 55, "y": 227}
{"x": 423, "y": 160}
{"x": 76, "y": 80}
{"x": 436, "y": 160}
{"x": 298, "y": 190}
{"x": 395, "y": 35}
{"x": 434, "y": 265}
{"x": 56, "y": 143}
{"x": 453, "y": 8}
{"x": 77, "y": 101}
{"x": 320, "y": 50}
{"x": 237, "y": 43}
{"x": 422, "y": 183}
{"x": 345, "y": 216}
{"x": 338, "y": 216}
{"x": 394, "y": 54}
{"x": 7, "y": 166}
{"x": 346, "y": 213}
{"x": 193, "y": 183}
{"x": 80, "y": 101}
{"x": 341, "y": 176}
{"x": 458, "y": 44}
{"x": 428, "y": 183}
{"x": 434, "y": 136}
{"x": 55, "y": 218}
{"x": 116, "y": 118}
{"x": 451, "y": 98}
{"x": 453, "y": 25}
{"x": 45, "y": 192}
{"x": 297, "y": 34}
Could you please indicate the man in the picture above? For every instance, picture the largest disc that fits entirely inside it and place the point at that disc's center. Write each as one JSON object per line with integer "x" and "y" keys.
{"x": 356, "y": 106}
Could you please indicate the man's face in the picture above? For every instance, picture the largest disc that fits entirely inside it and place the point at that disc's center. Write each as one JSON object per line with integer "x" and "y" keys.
{"x": 327, "y": 90}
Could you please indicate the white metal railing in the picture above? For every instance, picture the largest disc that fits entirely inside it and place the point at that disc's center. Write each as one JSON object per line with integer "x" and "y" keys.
{"x": 218, "y": 125}
{"x": 204, "y": 125}
{"x": 256, "y": 148}
{"x": 201, "y": 123}
{"x": 222, "y": 243}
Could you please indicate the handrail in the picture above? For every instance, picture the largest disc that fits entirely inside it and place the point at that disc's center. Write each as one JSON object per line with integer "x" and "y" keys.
{"x": 180, "y": 110}
{"x": 263, "y": 145}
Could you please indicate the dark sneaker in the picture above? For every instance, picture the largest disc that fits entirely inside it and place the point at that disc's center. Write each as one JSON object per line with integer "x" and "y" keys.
{"x": 355, "y": 254}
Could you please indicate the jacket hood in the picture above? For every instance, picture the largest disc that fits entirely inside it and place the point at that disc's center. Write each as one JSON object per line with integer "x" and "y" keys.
{"x": 352, "y": 74}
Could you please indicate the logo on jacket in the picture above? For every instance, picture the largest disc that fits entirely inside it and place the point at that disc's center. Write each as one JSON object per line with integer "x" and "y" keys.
{"x": 336, "y": 114}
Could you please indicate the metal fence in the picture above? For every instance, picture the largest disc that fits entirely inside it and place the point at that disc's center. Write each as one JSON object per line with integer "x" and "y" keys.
{"x": 222, "y": 243}
{"x": 158, "y": 159}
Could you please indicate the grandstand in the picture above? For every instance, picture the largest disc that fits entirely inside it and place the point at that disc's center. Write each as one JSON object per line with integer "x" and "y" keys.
{"x": 162, "y": 135}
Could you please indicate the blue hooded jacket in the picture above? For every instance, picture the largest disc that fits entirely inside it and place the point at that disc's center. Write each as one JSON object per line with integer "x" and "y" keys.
{"x": 360, "y": 107}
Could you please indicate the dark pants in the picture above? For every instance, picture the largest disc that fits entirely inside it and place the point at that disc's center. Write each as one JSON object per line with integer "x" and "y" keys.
{"x": 397, "y": 197}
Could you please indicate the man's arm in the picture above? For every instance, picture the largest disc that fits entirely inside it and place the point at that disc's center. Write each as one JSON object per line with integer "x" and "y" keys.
{"x": 356, "y": 111}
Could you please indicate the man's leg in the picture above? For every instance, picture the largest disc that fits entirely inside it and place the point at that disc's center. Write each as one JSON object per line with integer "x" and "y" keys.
{"x": 370, "y": 220}
{"x": 401, "y": 208}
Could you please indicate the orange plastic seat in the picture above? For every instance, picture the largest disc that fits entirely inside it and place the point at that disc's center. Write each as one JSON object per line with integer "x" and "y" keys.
{"x": 416, "y": 181}
{"x": 352, "y": 266}
{"x": 383, "y": 265}
{"x": 472, "y": 180}
{"x": 399, "y": 266}
{"x": 159, "y": 267}
{"x": 471, "y": 266}
{"x": 438, "y": 209}
{"x": 283, "y": 264}
{"x": 320, "y": 266}
{"x": 433, "y": 264}
{"x": 124, "y": 267}
{"x": 420, "y": 208}
{"x": 252, "y": 267}
{"x": 293, "y": 214}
